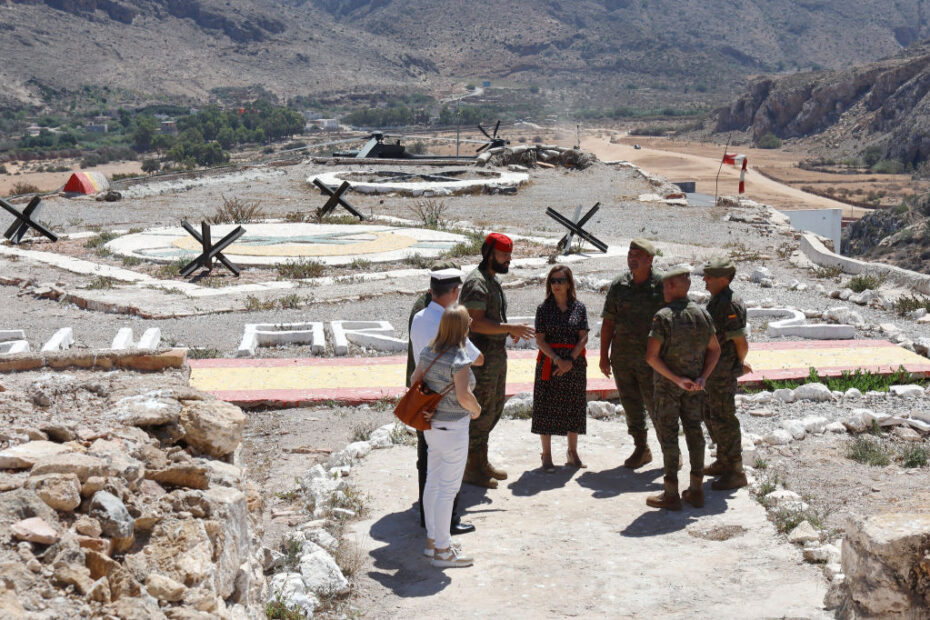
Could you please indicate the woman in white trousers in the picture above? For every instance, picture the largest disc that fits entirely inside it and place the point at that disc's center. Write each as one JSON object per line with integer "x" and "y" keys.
{"x": 444, "y": 364}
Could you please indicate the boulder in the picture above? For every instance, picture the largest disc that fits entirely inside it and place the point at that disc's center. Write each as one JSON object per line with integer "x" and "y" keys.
{"x": 816, "y": 554}
{"x": 34, "y": 529}
{"x": 852, "y": 394}
{"x": 760, "y": 273}
{"x": 814, "y": 424}
{"x": 76, "y": 575}
{"x": 320, "y": 572}
{"x": 82, "y": 465}
{"x": 778, "y": 437}
{"x": 87, "y": 526}
{"x": 60, "y": 491}
{"x": 783, "y": 395}
{"x": 886, "y": 566}
{"x": 381, "y": 437}
{"x": 289, "y": 591}
{"x": 115, "y": 521}
{"x": 28, "y": 454}
{"x": 146, "y": 410}
{"x": 836, "y": 427}
{"x": 905, "y": 433}
{"x": 761, "y": 413}
{"x": 164, "y": 588}
{"x": 228, "y": 529}
{"x": 907, "y": 391}
{"x": 761, "y": 398}
{"x": 179, "y": 549}
{"x": 803, "y": 533}
{"x": 813, "y": 391}
{"x": 214, "y": 427}
{"x": 187, "y": 474}
{"x": 600, "y": 410}
{"x": 117, "y": 456}
{"x": 322, "y": 538}
{"x": 796, "y": 428}
{"x": 519, "y": 406}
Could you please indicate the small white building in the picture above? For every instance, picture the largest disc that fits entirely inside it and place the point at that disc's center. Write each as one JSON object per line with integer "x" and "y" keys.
{"x": 327, "y": 124}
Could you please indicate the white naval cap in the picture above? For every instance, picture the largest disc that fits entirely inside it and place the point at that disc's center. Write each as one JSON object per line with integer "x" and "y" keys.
{"x": 447, "y": 276}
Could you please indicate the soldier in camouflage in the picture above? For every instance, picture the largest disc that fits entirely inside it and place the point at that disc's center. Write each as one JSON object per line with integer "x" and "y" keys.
{"x": 729, "y": 315}
{"x": 683, "y": 351}
{"x": 632, "y": 300}
{"x": 484, "y": 298}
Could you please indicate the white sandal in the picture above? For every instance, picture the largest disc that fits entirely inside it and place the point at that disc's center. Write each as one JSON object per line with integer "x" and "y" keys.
{"x": 452, "y": 557}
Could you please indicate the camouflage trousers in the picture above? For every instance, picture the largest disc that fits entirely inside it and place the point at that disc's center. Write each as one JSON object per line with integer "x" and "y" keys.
{"x": 490, "y": 381}
{"x": 720, "y": 417}
{"x": 673, "y": 403}
{"x": 635, "y": 384}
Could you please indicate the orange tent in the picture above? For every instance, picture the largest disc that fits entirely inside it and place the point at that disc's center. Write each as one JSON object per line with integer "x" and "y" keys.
{"x": 87, "y": 183}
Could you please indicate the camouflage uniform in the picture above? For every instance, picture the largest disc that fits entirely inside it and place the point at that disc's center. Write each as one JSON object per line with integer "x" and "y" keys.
{"x": 728, "y": 313}
{"x": 631, "y": 306}
{"x": 684, "y": 329}
{"x": 482, "y": 291}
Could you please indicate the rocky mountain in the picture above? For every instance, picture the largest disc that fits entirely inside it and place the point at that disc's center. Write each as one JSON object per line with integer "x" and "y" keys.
{"x": 592, "y": 52}
{"x": 886, "y": 104}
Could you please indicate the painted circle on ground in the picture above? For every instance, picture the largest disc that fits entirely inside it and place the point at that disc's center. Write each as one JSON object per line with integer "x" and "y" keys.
{"x": 273, "y": 243}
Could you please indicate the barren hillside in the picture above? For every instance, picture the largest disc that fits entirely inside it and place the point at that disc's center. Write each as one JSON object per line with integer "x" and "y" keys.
{"x": 591, "y": 52}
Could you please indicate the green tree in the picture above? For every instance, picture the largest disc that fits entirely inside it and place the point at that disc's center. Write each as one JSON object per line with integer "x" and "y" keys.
{"x": 146, "y": 126}
{"x": 769, "y": 141}
{"x": 151, "y": 165}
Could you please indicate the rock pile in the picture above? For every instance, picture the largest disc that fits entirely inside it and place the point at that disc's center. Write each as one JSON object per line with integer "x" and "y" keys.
{"x": 145, "y": 513}
{"x": 530, "y": 156}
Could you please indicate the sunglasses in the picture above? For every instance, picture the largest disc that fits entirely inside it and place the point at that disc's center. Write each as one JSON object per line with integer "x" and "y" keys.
{"x": 558, "y": 281}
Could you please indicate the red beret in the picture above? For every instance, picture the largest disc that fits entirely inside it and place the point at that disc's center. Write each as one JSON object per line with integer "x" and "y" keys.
{"x": 497, "y": 241}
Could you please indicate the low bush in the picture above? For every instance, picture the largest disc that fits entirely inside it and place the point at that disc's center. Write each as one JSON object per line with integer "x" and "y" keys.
{"x": 908, "y": 303}
{"x": 862, "y": 380}
{"x": 300, "y": 269}
{"x": 869, "y": 451}
{"x": 865, "y": 283}
{"x": 237, "y": 211}
{"x": 769, "y": 141}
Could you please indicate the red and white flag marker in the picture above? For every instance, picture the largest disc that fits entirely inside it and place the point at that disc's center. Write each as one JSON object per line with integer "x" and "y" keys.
{"x": 738, "y": 160}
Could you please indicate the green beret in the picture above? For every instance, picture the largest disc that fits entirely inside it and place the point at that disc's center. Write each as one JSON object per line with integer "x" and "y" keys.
{"x": 643, "y": 244}
{"x": 720, "y": 267}
{"x": 439, "y": 265}
{"x": 680, "y": 270}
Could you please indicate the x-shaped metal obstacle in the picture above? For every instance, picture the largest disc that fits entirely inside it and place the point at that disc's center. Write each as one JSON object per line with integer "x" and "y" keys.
{"x": 24, "y": 221}
{"x": 211, "y": 251}
{"x": 336, "y": 199}
{"x": 575, "y": 228}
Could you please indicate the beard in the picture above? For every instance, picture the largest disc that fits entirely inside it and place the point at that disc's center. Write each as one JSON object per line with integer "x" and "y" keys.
{"x": 497, "y": 267}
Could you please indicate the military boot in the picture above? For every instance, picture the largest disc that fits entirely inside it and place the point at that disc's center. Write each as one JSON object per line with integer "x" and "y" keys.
{"x": 490, "y": 470}
{"x": 735, "y": 478}
{"x": 717, "y": 468}
{"x": 641, "y": 455}
{"x": 667, "y": 499}
{"x": 694, "y": 494}
{"x": 475, "y": 474}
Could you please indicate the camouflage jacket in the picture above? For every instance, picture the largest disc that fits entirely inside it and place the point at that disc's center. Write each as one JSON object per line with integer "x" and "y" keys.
{"x": 482, "y": 291}
{"x": 684, "y": 329}
{"x": 728, "y": 312}
{"x": 631, "y": 306}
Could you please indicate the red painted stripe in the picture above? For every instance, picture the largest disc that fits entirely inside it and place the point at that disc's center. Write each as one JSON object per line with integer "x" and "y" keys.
{"x": 281, "y": 362}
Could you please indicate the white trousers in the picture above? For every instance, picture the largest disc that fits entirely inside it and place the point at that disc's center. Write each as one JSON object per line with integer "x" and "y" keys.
{"x": 445, "y": 465}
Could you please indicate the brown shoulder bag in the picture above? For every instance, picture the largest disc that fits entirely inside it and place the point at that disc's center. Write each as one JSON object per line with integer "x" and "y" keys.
{"x": 420, "y": 400}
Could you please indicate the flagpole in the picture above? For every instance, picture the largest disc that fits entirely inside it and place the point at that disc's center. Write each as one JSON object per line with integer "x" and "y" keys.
{"x": 717, "y": 179}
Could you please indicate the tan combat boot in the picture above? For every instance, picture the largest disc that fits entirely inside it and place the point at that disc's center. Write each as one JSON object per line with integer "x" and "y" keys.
{"x": 489, "y": 469}
{"x": 668, "y": 499}
{"x": 694, "y": 494}
{"x": 717, "y": 468}
{"x": 641, "y": 455}
{"x": 475, "y": 474}
{"x": 735, "y": 478}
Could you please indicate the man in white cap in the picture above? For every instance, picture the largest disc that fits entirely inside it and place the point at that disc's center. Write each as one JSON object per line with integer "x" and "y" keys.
{"x": 444, "y": 285}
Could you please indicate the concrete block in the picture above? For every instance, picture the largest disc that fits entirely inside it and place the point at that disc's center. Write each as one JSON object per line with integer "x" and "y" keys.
{"x": 150, "y": 339}
{"x": 61, "y": 340}
{"x": 14, "y": 346}
{"x": 372, "y": 334}
{"x": 123, "y": 339}
{"x": 792, "y": 322}
{"x": 270, "y": 334}
{"x": 12, "y": 334}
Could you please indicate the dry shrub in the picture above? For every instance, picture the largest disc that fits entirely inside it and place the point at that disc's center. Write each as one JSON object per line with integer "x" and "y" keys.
{"x": 237, "y": 211}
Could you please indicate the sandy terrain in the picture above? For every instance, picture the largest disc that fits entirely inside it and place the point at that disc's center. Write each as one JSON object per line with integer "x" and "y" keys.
{"x": 50, "y": 181}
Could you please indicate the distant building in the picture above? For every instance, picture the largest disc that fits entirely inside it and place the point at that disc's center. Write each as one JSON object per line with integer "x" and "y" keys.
{"x": 96, "y": 127}
{"x": 33, "y": 130}
{"x": 327, "y": 124}
{"x": 168, "y": 127}
{"x": 102, "y": 119}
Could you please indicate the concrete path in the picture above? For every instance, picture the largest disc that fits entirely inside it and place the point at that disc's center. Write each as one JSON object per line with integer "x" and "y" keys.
{"x": 576, "y": 543}
{"x": 293, "y": 382}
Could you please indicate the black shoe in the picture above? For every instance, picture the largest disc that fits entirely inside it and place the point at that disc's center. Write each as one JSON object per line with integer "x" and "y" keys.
{"x": 461, "y": 528}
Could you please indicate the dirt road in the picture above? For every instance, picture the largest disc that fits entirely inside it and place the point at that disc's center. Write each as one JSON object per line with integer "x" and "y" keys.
{"x": 687, "y": 164}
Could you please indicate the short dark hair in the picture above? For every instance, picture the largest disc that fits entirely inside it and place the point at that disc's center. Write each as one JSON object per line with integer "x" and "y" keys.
{"x": 438, "y": 289}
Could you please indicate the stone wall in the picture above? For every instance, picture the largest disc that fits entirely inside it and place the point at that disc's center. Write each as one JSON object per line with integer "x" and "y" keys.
{"x": 140, "y": 510}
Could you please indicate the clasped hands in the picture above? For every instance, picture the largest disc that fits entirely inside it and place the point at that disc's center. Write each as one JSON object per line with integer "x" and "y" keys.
{"x": 691, "y": 385}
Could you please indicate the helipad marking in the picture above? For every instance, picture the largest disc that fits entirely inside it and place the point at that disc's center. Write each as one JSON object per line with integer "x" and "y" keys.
{"x": 250, "y": 382}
